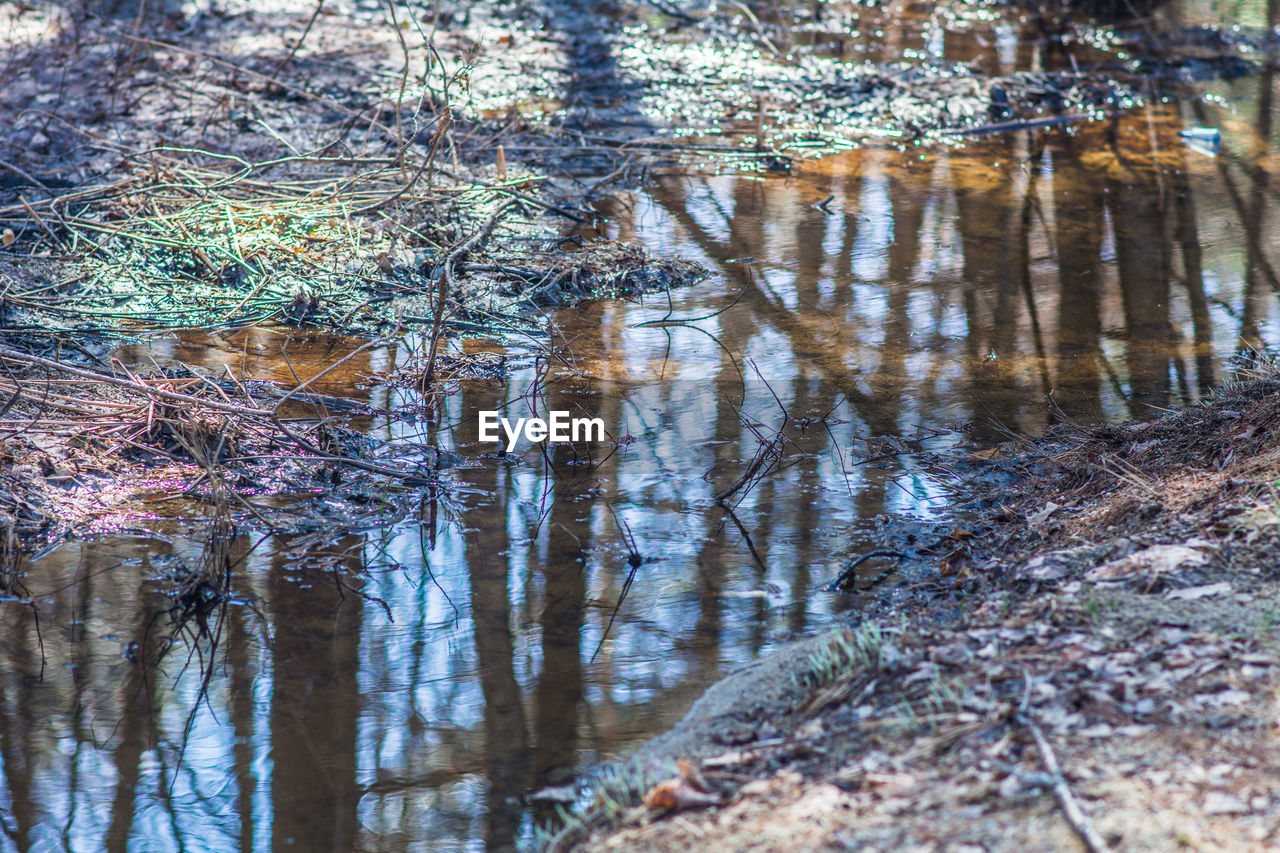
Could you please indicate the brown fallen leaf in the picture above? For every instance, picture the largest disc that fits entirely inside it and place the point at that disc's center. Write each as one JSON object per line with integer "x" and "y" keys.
{"x": 691, "y": 774}
{"x": 1154, "y": 560}
{"x": 686, "y": 791}
{"x": 676, "y": 795}
{"x": 889, "y": 784}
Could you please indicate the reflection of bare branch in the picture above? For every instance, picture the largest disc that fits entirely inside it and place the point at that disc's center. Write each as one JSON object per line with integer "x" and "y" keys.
{"x": 425, "y": 547}
{"x": 1030, "y": 201}
{"x": 634, "y": 560}
{"x": 880, "y": 413}
{"x": 11, "y": 572}
{"x": 768, "y": 454}
{"x": 1188, "y": 236}
{"x": 746, "y": 537}
{"x": 201, "y": 594}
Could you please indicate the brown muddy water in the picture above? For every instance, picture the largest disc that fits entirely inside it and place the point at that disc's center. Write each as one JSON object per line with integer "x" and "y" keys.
{"x": 404, "y": 686}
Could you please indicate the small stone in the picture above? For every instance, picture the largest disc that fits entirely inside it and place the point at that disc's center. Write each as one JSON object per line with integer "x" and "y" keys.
{"x": 1220, "y": 802}
{"x": 1047, "y": 567}
{"x": 1011, "y": 788}
{"x": 955, "y": 654}
{"x": 1197, "y": 592}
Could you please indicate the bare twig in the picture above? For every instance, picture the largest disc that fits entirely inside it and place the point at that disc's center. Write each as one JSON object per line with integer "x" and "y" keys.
{"x": 635, "y": 561}
{"x": 768, "y": 453}
{"x": 838, "y": 585}
{"x": 1071, "y": 810}
{"x": 507, "y": 190}
{"x": 138, "y": 387}
{"x": 311, "y": 448}
{"x": 302, "y": 93}
{"x": 447, "y": 281}
{"x": 293, "y": 51}
{"x": 26, "y": 176}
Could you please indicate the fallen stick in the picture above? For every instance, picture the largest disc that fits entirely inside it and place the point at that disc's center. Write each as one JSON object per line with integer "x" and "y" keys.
{"x": 26, "y": 176}
{"x": 137, "y": 387}
{"x": 57, "y": 241}
{"x": 767, "y": 451}
{"x": 508, "y": 191}
{"x": 846, "y": 574}
{"x": 1071, "y": 810}
{"x": 271, "y": 415}
{"x": 1021, "y": 124}
{"x": 448, "y": 282}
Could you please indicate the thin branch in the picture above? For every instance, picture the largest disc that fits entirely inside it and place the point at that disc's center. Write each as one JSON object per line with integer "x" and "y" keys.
{"x": 1071, "y": 810}
{"x": 448, "y": 280}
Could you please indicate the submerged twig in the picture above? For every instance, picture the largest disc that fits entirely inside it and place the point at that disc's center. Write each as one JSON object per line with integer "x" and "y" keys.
{"x": 838, "y": 585}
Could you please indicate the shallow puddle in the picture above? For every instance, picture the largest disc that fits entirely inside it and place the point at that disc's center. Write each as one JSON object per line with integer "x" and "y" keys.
{"x": 403, "y": 686}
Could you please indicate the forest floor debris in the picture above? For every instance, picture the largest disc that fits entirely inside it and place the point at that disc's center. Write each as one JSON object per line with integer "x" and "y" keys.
{"x": 185, "y": 175}
{"x": 76, "y": 444}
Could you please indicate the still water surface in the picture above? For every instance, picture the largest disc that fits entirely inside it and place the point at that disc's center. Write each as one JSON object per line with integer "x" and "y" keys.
{"x": 402, "y": 686}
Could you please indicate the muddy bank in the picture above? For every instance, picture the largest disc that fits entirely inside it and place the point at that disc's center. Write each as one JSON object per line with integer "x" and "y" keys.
{"x": 1113, "y": 597}
{"x": 83, "y": 445}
